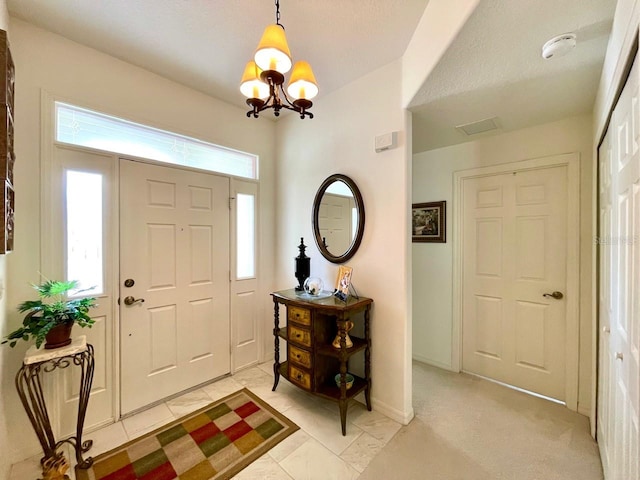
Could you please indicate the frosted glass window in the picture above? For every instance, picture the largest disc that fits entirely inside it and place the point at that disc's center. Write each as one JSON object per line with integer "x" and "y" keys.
{"x": 246, "y": 236}
{"x": 84, "y": 212}
{"x": 86, "y": 128}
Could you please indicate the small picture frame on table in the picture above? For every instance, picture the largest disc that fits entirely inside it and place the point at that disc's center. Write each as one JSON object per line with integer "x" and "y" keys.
{"x": 428, "y": 222}
{"x": 342, "y": 282}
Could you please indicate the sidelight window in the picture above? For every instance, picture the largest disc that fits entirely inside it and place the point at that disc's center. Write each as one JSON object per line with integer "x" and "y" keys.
{"x": 84, "y": 220}
{"x": 245, "y": 234}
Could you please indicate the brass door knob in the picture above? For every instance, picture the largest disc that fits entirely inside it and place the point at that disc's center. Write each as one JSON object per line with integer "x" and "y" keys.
{"x": 131, "y": 300}
{"x": 557, "y": 295}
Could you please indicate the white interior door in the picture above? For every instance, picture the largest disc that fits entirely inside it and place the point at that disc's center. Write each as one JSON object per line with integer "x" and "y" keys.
{"x": 174, "y": 246}
{"x": 606, "y": 400}
{"x": 514, "y": 249}
{"x": 619, "y": 386}
{"x": 334, "y": 216}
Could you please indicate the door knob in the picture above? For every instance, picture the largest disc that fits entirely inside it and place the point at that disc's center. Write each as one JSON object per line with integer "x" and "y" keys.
{"x": 606, "y": 329}
{"x": 557, "y": 295}
{"x": 619, "y": 356}
{"x": 130, "y": 300}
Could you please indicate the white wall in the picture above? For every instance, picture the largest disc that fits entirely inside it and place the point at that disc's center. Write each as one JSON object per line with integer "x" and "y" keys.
{"x": 340, "y": 139}
{"x": 433, "y": 263}
{"x": 85, "y": 76}
{"x": 5, "y": 460}
{"x": 439, "y": 25}
{"x": 623, "y": 34}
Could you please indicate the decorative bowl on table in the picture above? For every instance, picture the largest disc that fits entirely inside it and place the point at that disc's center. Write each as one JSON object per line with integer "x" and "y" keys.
{"x": 349, "y": 380}
{"x": 313, "y": 286}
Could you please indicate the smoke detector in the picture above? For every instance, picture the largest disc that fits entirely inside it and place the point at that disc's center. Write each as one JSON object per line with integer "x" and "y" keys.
{"x": 559, "y": 46}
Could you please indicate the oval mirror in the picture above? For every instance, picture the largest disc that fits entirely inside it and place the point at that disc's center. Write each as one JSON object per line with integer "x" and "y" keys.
{"x": 338, "y": 218}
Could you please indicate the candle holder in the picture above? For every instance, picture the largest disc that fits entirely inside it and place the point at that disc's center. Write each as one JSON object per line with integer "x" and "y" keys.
{"x": 303, "y": 266}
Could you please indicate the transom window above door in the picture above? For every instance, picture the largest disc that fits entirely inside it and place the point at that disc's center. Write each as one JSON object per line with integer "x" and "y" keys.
{"x": 86, "y": 128}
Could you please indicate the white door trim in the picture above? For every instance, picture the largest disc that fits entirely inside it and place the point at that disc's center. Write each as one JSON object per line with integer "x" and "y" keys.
{"x": 572, "y": 162}
{"x": 48, "y": 225}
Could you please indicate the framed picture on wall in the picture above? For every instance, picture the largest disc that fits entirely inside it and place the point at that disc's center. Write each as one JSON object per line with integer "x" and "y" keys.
{"x": 428, "y": 222}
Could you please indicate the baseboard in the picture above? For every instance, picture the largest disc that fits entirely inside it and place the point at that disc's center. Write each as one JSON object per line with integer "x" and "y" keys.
{"x": 394, "y": 414}
{"x": 584, "y": 410}
{"x": 433, "y": 363}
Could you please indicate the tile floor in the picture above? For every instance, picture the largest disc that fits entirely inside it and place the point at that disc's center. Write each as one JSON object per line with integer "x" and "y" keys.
{"x": 316, "y": 451}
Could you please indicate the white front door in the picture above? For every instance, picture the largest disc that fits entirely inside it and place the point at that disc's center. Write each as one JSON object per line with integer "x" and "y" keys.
{"x": 174, "y": 252}
{"x": 514, "y": 248}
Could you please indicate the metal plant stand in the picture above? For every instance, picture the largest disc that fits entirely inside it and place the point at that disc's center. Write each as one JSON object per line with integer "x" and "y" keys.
{"x": 29, "y": 386}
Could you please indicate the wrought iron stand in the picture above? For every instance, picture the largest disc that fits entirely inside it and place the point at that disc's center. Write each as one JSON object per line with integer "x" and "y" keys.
{"x": 29, "y": 386}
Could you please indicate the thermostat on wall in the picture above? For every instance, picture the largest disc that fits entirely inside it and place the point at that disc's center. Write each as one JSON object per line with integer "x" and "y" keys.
{"x": 386, "y": 141}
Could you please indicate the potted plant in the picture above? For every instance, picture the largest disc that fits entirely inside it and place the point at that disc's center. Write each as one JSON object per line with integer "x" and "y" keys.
{"x": 52, "y": 316}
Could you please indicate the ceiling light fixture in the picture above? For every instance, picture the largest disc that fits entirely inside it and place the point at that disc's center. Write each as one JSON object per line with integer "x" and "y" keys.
{"x": 264, "y": 75}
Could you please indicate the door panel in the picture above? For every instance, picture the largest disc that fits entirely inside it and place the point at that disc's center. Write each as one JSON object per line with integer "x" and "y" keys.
{"x": 335, "y": 217}
{"x": 66, "y": 382}
{"x": 514, "y": 251}
{"x": 626, "y": 261}
{"x": 619, "y": 312}
{"x": 175, "y": 246}
{"x": 245, "y": 299}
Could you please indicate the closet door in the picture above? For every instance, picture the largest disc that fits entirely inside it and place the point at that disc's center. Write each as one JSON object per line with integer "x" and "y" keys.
{"x": 620, "y": 241}
{"x": 605, "y": 360}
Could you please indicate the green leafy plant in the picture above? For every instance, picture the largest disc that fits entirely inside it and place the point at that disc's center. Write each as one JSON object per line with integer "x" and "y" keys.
{"x": 43, "y": 315}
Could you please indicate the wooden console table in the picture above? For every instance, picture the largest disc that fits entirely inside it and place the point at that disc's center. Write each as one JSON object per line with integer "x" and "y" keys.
{"x": 312, "y": 360}
{"x": 29, "y": 386}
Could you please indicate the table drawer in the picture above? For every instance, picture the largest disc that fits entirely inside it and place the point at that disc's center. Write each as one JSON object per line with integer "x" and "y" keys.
{"x": 299, "y": 335}
{"x": 299, "y": 315}
{"x": 301, "y": 357}
{"x": 300, "y": 377}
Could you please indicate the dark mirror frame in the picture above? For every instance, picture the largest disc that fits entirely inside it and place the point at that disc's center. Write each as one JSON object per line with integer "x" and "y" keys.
{"x": 353, "y": 248}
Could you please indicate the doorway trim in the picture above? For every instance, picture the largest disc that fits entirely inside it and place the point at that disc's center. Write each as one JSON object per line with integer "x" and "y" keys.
{"x": 572, "y": 162}
{"x": 49, "y": 249}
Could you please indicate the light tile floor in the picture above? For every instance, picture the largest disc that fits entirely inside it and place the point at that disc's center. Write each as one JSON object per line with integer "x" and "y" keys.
{"x": 316, "y": 451}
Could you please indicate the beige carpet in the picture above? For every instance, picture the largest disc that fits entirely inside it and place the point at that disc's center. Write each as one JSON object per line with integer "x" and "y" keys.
{"x": 470, "y": 429}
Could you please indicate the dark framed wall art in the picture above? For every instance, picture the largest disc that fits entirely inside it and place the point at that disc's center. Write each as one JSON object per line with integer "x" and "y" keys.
{"x": 7, "y": 156}
{"x": 428, "y": 222}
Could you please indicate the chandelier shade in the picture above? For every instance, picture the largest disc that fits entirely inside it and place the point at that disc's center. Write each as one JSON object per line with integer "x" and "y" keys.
{"x": 303, "y": 82}
{"x": 263, "y": 77}
{"x": 251, "y": 86}
{"x": 273, "y": 51}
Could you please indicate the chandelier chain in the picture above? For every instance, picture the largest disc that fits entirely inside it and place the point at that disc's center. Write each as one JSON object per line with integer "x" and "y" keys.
{"x": 278, "y": 14}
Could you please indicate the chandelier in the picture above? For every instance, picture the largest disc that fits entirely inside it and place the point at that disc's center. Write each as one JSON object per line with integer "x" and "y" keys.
{"x": 263, "y": 78}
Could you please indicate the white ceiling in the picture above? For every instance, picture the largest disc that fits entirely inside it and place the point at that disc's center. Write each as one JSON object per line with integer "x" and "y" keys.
{"x": 492, "y": 69}
{"x": 205, "y": 44}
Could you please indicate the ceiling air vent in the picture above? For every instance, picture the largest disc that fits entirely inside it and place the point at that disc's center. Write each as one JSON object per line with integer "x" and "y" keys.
{"x": 480, "y": 126}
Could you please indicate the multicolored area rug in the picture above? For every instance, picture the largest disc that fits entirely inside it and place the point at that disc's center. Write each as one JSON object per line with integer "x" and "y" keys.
{"x": 215, "y": 442}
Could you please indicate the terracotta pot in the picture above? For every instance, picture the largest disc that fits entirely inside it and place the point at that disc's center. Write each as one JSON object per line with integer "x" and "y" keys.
{"x": 59, "y": 336}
